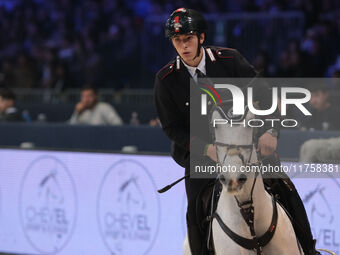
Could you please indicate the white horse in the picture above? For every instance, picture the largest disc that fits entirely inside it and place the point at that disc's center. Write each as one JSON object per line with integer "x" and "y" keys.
{"x": 236, "y": 149}
{"x": 268, "y": 223}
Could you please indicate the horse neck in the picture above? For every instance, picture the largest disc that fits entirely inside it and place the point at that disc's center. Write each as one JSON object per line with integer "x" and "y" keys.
{"x": 229, "y": 209}
{"x": 259, "y": 195}
{"x": 263, "y": 207}
{"x": 261, "y": 199}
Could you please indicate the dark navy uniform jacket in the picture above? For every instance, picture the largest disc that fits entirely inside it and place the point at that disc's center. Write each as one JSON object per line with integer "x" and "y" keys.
{"x": 172, "y": 98}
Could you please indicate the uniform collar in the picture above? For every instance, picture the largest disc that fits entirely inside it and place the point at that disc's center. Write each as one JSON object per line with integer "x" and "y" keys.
{"x": 201, "y": 66}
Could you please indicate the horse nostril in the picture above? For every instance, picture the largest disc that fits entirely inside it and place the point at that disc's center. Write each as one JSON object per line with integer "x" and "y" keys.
{"x": 242, "y": 178}
{"x": 222, "y": 179}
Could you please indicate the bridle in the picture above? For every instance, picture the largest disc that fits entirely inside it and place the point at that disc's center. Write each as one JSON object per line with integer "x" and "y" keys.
{"x": 256, "y": 243}
{"x": 232, "y": 149}
{"x": 246, "y": 207}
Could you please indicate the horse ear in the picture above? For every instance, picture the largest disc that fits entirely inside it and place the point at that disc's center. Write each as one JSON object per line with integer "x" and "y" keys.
{"x": 257, "y": 104}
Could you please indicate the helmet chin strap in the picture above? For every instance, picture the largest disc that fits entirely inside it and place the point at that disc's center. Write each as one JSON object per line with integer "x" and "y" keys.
{"x": 198, "y": 47}
{"x": 198, "y": 52}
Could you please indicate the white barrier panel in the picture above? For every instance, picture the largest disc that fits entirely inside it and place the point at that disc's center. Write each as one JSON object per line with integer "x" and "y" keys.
{"x": 72, "y": 203}
{"x": 89, "y": 203}
{"x": 322, "y": 203}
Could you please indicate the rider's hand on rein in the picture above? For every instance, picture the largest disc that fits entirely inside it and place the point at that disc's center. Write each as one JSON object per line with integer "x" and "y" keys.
{"x": 211, "y": 152}
{"x": 267, "y": 144}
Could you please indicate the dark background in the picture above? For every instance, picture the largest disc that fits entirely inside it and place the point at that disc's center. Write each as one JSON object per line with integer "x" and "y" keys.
{"x": 50, "y": 49}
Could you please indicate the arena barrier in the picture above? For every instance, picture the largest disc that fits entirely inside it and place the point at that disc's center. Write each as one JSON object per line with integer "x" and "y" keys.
{"x": 70, "y": 203}
{"x": 113, "y": 138}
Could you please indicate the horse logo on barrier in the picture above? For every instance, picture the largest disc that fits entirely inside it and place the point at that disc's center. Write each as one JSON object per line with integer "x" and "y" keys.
{"x": 128, "y": 209}
{"x": 320, "y": 208}
{"x": 48, "y": 205}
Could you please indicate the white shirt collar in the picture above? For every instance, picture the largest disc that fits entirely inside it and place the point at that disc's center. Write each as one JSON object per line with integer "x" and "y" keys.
{"x": 201, "y": 67}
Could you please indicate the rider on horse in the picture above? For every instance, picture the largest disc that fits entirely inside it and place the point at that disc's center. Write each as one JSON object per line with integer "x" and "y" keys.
{"x": 186, "y": 29}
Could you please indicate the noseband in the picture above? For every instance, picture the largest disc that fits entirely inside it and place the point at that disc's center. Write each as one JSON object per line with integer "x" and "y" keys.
{"x": 233, "y": 149}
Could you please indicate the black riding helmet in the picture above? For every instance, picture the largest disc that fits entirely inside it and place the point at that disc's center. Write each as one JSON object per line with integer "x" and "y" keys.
{"x": 185, "y": 21}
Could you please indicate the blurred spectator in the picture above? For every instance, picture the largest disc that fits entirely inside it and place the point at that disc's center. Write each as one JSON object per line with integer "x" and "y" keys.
{"x": 59, "y": 44}
{"x": 154, "y": 122}
{"x": 7, "y": 110}
{"x": 291, "y": 64}
{"x": 134, "y": 121}
{"x": 92, "y": 112}
{"x": 315, "y": 59}
{"x": 261, "y": 64}
{"x": 6, "y": 75}
{"x": 24, "y": 73}
{"x": 336, "y": 74}
{"x": 335, "y": 84}
{"x": 325, "y": 115}
{"x": 333, "y": 68}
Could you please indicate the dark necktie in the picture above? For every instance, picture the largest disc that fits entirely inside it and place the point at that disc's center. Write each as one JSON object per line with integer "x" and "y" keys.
{"x": 200, "y": 74}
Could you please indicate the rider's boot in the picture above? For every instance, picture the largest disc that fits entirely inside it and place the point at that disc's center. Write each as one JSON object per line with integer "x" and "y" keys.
{"x": 301, "y": 224}
{"x": 314, "y": 249}
{"x": 195, "y": 240}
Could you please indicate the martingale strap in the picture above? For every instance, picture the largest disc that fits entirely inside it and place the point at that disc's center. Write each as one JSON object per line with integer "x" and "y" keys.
{"x": 256, "y": 243}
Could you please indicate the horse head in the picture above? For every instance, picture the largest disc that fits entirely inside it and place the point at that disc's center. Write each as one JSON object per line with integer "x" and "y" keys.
{"x": 235, "y": 148}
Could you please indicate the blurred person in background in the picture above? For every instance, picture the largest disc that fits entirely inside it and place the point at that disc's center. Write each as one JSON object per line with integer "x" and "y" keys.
{"x": 7, "y": 76}
{"x": 261, "y": 64}
{"x": 25, "y": 75}
{"x": 336, "y": 74}
{"x": 89, "y": 111}
{"x": 8, "y": 112}
{"x": 102, "y": 36}
{"x": 154, "y": 122}
{"x": 325, "y": 114}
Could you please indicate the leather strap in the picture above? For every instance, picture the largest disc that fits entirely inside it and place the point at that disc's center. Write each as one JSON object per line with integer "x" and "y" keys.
{"x": 256, "y": 243}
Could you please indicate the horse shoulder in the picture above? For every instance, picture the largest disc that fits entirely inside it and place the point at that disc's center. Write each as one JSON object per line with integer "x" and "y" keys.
{"x": 284, "y": 240}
